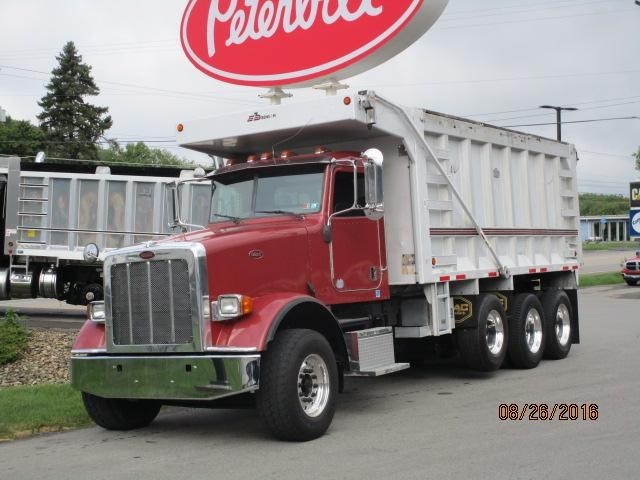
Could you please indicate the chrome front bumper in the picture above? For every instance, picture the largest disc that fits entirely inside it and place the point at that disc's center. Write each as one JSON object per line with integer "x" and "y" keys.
{"x": 185, "y": 377}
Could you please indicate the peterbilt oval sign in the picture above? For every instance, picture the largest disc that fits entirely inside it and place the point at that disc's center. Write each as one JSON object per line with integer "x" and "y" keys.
{"x": 300, "y": 42}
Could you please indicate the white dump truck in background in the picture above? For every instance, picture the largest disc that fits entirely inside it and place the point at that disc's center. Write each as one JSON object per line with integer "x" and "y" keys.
{"x": 344, "y": 233}
{"x": 58, "y": 219}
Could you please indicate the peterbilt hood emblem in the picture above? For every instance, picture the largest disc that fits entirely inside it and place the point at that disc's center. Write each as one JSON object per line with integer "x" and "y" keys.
{"x": 147, "y": 255}
{"x": 257, "y": 254}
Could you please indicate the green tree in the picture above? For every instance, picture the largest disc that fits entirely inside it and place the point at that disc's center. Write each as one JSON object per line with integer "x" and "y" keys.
{"x": 596, "y": 204}
{"x": 73, "y": 126}
{"x": 140, "y": 153}
{"x": 21, "y": 138}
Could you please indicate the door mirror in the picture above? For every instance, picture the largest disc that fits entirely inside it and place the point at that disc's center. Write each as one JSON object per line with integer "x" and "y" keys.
{"x": 374, "y": 195}
{"x": 174, "y": 190}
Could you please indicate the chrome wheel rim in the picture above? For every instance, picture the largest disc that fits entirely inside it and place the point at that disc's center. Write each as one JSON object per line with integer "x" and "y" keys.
{"x": 563, "y": 324}
{"x": 533, "y": 330}
{"x": 313, "y": 385}
{"x": 495, "y": 332}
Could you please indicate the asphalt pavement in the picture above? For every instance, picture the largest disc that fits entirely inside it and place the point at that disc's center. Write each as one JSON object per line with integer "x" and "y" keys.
{"x": 430, "y": 422}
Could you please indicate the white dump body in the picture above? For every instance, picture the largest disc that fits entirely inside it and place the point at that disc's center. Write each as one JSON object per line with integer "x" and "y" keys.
{"x": 52, "y": 215}
{"x": 473, "y": 202}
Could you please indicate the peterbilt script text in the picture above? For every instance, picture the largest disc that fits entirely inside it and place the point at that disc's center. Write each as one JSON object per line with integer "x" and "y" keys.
{"x": 266, "y": 19}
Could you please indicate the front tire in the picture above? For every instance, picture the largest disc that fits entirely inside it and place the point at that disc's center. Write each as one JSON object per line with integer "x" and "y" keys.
{"x": 298, "y": 385}
{"x": 120, "y": 414}
{"x": 631, "y": 283}
{"x": 527, "y": 327}
{"x": 484, "y": 347}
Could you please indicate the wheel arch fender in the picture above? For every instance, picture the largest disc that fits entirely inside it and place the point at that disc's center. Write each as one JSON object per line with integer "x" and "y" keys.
{"x": 273, "y": 313}
{"x": 307, "y": 312}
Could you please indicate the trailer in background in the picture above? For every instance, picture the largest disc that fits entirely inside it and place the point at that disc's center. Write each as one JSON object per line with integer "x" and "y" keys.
{"x": 59, "y": 219}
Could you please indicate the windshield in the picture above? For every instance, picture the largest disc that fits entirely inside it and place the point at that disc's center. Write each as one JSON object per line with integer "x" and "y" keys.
{"x": 267, "y": 192}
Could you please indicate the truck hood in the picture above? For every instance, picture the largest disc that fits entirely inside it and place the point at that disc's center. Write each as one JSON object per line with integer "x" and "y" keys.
{"x": 254, "y": 257}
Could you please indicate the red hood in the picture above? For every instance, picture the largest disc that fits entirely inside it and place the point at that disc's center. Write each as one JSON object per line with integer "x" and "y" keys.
{"x": 254, "y": 257}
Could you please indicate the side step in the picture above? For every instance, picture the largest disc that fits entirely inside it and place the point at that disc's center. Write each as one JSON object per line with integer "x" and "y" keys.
{"x": 371, "y": 353}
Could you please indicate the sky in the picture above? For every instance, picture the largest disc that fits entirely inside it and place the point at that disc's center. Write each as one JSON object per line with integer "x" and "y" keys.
{"x": 494, "y": 61}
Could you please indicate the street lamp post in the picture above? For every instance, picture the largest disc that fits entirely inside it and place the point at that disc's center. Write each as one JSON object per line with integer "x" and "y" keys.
{"x": 559, "y": 117}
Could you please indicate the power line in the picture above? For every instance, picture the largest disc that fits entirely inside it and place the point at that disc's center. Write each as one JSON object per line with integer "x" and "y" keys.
{"x": 130, "y": 85}
{"x": 537, "y": 108}
{"x": 528, "y": 20}
{"x": 537, "y": 9}
{"x": 504, "y": 79}
{"x": 575, "y": 121}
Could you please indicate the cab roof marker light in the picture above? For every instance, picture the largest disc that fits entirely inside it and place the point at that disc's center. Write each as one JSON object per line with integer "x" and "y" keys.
{"x": 320, "y": 149}
{"x": 287, "y": 154}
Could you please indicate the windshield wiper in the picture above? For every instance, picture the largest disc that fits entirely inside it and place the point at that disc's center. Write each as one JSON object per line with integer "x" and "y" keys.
{"x": 281, "y": 212}
{"x": 230, "y": 217}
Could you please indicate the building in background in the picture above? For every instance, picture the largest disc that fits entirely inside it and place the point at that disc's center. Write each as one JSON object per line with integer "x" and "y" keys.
{"x": 605, "y": 228}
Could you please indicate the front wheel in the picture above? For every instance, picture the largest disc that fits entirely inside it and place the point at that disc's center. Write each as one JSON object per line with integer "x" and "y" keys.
{"x": 485, "y": 346}
{"x": 298, "y": 385}
{"x": 630, "y": 282}
{"x": 120, "y": 414}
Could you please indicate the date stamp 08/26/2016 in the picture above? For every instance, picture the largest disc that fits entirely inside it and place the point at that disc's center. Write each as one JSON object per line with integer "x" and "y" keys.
{"x": 547, "y": 412}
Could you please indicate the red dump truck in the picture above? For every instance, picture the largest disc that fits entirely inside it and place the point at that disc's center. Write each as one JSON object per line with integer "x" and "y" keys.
{"x": 344, "y": 233}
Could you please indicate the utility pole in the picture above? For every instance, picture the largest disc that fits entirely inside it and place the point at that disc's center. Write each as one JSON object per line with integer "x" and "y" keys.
{"x": 3, "y": 115}
{"x": 559, "y": 117}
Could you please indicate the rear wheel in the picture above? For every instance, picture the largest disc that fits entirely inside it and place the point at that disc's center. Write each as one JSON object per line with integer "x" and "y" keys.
{"x": 120, "y": 414}
{"x": 526, "y": 324}
{"x": 484, "y": 347}
{"x": 559, "y": 314}
{"x": 298, "y": 385}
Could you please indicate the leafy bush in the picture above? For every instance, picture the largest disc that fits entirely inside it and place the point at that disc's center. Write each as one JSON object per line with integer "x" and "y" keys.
{"x": 13, "y": 338}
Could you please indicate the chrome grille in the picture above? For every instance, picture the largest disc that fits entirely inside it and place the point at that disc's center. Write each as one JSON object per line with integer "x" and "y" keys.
{"x": 151, "y": 303}
{"x": 633, "y": 266}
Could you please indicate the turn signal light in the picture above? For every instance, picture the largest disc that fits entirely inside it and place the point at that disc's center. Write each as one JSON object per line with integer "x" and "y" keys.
{"x": 346, "y": 101}
{"x": 180, "y": 127}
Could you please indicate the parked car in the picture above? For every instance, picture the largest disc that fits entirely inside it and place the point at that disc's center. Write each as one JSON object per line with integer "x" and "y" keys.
{"x": 631, "y": 270}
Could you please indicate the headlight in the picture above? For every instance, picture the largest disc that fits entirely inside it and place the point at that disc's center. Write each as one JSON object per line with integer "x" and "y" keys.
{"x": 96, "y": 312}
{"x": 229, "y": 307}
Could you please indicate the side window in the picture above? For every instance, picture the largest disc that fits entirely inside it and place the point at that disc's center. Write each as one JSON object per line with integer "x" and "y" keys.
{"x": 343, "y": 194}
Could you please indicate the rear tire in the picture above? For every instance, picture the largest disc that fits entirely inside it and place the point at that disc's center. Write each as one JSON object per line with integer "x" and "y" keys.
{"x": 559, "y": 315}
{"x": 484, "y": 347}
{"x": 298, "y": 385}
{"x": 527, "y": 327}
{"x": 120, "y": 414}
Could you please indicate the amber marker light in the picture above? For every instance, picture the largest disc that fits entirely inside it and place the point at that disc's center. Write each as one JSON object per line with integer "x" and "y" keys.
{"x": 287, "y": 154}
{"x": 320, "y": 149}
{"x": 180, "y": 127}
{"x": 346, "y": 101}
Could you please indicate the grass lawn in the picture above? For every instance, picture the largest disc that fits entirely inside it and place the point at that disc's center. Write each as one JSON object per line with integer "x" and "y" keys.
{"x": 611, "y": 246}
{"x": 594, "y": 279}
{"x": 39, "y": 408}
